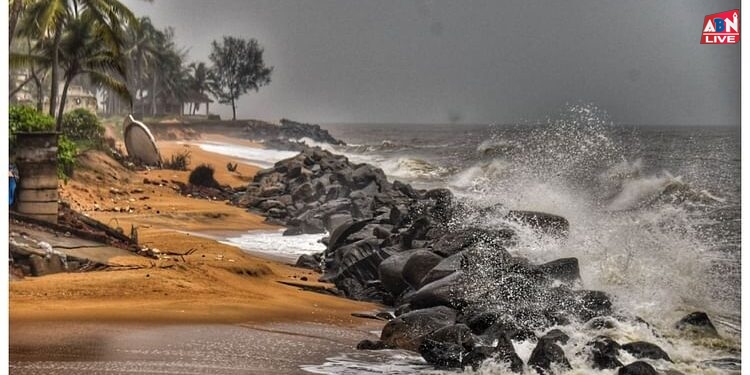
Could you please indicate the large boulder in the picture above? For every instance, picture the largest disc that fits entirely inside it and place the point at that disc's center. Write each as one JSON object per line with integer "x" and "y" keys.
{"x": 448, "y": 291}
{"x": 642, "y": 349}
{"x": 603, "y": 353}
{"x": 546, "y": 353}
{"x": 565, "y": 270}
{"x": 548, "y": 223}
{"x": 408, "y": 330}
{"x": 446, "y": 267}
{"x": 503, "y": 352}
{"x": 697, "y": 323}
{"x": 637, "y": 368}
{"x": 447, "y": 346}
{"x": 391, "y": 269}
{"x": 418, "y": 265}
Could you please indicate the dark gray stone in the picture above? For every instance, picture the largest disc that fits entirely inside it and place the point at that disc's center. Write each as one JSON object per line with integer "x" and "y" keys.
{"x": 419, "y": 264}
{"x": 642, "y": 349}
{"x": 408, "y": 330}
{"x": 698, "y": 323}
{"x": 637, "y": 368}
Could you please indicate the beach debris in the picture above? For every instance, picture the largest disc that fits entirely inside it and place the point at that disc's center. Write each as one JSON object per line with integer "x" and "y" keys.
{"x": 231, "y": 167}
{"x": 203, "y": 175}
{"x": 140, "y": 143}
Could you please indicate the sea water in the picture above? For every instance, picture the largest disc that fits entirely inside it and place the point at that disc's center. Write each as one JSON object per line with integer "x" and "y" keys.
{"x": 654, "y": 213}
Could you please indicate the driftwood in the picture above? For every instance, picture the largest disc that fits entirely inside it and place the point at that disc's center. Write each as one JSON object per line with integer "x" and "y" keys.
{"x": 106, "y": 238}
{"x": 313, "y": 288}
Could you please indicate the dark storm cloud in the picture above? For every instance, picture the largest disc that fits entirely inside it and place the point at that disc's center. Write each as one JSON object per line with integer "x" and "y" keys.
{"x": 471, "y": 61}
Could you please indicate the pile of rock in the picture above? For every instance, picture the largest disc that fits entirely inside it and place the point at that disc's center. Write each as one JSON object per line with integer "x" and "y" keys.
{"x": 460, "y": 297}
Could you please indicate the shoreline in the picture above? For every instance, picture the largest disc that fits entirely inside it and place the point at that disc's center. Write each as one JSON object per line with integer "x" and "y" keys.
{"x": 217, "y": 283}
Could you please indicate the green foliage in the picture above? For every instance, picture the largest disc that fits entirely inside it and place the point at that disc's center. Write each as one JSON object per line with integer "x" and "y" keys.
{"x": 81, "y": 124}
{"x": 237, "y": 68}
{"x": 178, "y": 161}
{"x": 66, "y": 157}
{"x": 27, "y": 119}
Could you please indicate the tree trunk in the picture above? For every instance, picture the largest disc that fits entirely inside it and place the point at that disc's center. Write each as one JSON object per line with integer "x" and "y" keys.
{"x": 39, "y": 92}
{"x": 55, "y": 73}
{"x": 153, "y": 95}
{"x": 64, "y": 97}
{"x": 20, "y": 86}
{"x": 234, "y": 112}
{"x": 15, "y": 11}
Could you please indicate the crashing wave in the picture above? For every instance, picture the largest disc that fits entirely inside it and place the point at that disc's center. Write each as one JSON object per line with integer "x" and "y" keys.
{"x": 411, "y": 168}
{"x": 664, "y": 189}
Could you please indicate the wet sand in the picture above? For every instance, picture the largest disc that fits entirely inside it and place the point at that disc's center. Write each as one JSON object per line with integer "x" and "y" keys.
{"x": 93, "y": 348}
{"x": 215, "y": 311}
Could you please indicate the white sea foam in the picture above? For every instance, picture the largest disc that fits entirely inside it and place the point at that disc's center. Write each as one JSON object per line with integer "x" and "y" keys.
{"x": 262, "y": 157}
{"x": 276, "y": 244}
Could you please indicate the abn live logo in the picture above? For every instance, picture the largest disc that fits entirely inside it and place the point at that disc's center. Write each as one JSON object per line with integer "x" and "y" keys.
{"x": 722, "y": 28}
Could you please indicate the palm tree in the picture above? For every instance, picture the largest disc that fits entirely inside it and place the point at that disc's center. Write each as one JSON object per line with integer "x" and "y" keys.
{"x": 47, "y": 20}
{"x": 140, "y": 54}
{"x": 83, "y": 49}
{"x": 199, "y": 81}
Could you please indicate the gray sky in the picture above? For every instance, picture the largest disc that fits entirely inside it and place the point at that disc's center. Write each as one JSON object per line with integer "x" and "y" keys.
{"x": 470, "y": 61}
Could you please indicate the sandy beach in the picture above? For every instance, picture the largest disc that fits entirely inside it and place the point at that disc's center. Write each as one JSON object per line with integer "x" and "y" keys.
{"x": 215, "y": 289}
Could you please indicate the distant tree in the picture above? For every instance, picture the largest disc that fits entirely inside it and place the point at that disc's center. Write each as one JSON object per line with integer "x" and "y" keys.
{"x": 237, "y": 68}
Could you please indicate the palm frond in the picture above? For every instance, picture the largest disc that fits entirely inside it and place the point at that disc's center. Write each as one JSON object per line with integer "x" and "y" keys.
{"x": 117, "y": 86}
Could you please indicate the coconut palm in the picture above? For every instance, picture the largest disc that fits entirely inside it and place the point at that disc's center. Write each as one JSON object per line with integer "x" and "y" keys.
{"x": 82, "y": 49}
{"x": 47, "y": 20}
{"x": 200, "y": 80}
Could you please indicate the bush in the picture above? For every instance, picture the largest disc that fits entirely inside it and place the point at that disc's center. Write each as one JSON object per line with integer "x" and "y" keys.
{"x": 82, "y": 125}
{"x": 66, "y": 157}
{"x": 203, "y": 175}
{"x": 27, "y": 119}
{"x": 178, "y": 161}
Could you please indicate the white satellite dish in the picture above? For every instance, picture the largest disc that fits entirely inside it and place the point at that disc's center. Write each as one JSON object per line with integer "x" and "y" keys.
{"x": 140, "y": 143}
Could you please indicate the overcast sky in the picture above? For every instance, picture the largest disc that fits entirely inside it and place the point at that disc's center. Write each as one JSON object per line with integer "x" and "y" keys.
{"x": 470, "y": 61}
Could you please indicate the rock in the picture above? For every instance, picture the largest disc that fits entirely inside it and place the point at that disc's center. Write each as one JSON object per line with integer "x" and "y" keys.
{"x": 565, "y": 270}
{"x": 390, "y": 271}
{"x": 408, "y": 330}
{"x": 353, "y": 267}
{"x": 416, "y": 231}
{"x": 603, "y": 353}
{"x": 556, "y": 336}
{"x": 545, "y": 354}
{"x": 642, "y": 349}
{"x": 448, "y": 291}
{"x": 503, "y": 352}
{"x": 340, "y": 233}
{"x": 593, "y": 303}
{"x": 382, "y": 231}
{"x": 50, "y": 264}
{"x": 293, "y": 231}
{"x": 308, "y": 261}
{"x": 418, "y": 265}
{"x": 697, "y": 323}
{"x": 637, "y": 368}
{"x": 371, "y": 345}
{"x": 447, "y": 346}
{"x": 271, "y": 203}
{"x": 336, "y": 220}
{"x": 545, "y": 222}
{"x": 601, "y": 322}
{"x": 446, "y": 267}
{"x": 385, "y": 315}
{"x": 506, "y": 325}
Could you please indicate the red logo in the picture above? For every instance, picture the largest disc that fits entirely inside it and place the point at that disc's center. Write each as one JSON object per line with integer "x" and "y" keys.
{"x": 722, "y": 28}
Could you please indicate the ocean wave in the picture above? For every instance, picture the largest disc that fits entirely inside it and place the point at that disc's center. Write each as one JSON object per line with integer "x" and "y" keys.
{"x": 640, "y": 192}
{"x": 411, "y": 168}
{"x": 494, "y": 148}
